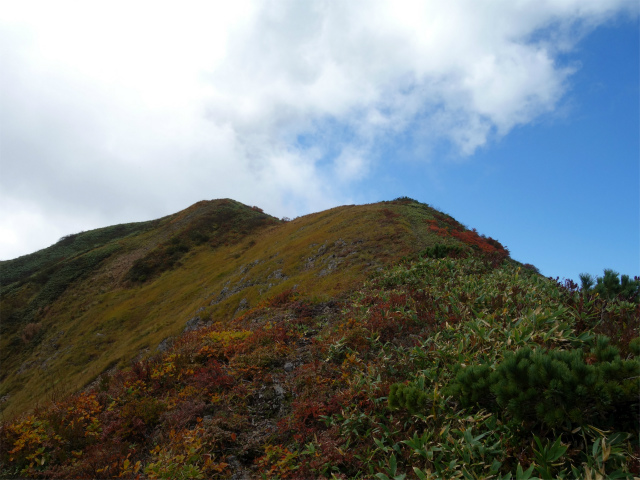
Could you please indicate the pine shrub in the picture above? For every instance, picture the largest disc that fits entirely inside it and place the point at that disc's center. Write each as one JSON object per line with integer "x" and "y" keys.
{"x": 442, "y": 251}
{"x": 409, "y": 397}
{"x": 612, "y": 285}
{"x": 556, "y": 388}
{"x": 472, "y": 386}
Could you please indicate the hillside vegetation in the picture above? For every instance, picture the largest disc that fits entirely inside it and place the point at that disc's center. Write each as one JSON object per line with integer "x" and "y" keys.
{"x": 332, "y": 349}
{"x": 97, "y": 300}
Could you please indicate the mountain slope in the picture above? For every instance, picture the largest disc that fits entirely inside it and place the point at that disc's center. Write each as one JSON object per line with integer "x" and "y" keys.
{"x": 454, "y": 362}
{"x": 99, "y": 299}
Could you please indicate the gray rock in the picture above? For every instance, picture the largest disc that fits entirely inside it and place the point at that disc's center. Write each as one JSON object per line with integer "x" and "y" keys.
{"x": 243, "y": 305}
{"x": 224, "y": 293}
{"x": 245, "y": 268}
{"x": 25, "y": 366}
{"x": 288, "y": 367}
{"x": 192, "y": 324}
{"x": 165, "y": 344}
{"x": 277, "y": 274}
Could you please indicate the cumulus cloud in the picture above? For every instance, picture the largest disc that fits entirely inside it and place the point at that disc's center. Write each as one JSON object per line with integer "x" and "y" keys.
{"x": 121, "y": 111}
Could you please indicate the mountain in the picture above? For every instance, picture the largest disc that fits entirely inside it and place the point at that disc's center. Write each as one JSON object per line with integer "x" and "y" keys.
{"x": 96, "y": 300}
{"x": 370, "y": 341}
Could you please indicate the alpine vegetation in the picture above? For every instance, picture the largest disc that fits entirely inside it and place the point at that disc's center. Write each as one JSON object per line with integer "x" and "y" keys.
{"x": 381, "y": 341}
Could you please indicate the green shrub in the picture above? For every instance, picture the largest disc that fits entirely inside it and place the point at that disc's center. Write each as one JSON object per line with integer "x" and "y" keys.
{"x": 409, "y": 397}
{"x": 556, "y": 387}
{"x": 68, "y": 247}
{"x": 611, "y": 285}
{"x": 472, "y": 386}
{"x": 531, "y": 268}
{"x": 404, "y": 198}
{"x": 442, "y": 251}
{"x": 53, "y": 282}
{"x": 158, "y": 260}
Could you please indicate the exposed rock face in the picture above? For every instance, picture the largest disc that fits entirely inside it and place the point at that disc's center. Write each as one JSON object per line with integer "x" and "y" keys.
{"x": 224, "y": 293}
{"x": 243, "y": 305}
{"x": 192, "y": 324}
{"x": 269, "y": 401}
{"x": 165, "y": 344}
{"x": 277, "y": 275}
{"x": 197, "y": 322}
{"x": 245, "y": 282}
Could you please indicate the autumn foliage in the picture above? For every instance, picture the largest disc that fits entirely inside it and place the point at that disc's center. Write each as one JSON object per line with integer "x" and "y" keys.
{"x": 367, "y": 386}
{"x": 447, "y": 227}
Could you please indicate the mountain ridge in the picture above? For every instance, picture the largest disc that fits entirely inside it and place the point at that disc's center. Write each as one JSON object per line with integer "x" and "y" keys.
{"x": 377, "y": 341}
{"x": 94, "y": 283}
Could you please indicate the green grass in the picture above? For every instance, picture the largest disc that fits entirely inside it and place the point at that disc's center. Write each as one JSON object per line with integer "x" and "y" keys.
{"x": 21, "y": 268}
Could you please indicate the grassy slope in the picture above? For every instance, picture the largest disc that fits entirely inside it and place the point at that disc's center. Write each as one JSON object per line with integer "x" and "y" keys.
{"x": 70, "y": 246}
{"x": 99, "y": 318}
{"x": 59, "y": 289}
{"x": 301, "y": 386}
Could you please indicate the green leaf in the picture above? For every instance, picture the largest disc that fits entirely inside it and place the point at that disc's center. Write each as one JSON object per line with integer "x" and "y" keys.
{"x": 419, "y": 473}
{"x": 495, "y": 466}
{"x": 596, "y": 448}
{"x": 393, "y": 464}
{"x": 557, "y": 450}
{"x": 380, "y": 445}
{"x": 524, "y": 475}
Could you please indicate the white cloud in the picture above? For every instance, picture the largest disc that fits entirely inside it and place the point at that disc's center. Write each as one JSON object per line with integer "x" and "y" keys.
{"x": 350, "y": 165}
{"x": 126, "y": 111}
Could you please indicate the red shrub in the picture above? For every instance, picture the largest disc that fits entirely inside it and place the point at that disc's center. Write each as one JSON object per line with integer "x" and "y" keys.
{"x": 182, "y": 415}
{"x": 443, "y": 232}
{"x": 281, "y": 299}
{"x": 210, "y": 378}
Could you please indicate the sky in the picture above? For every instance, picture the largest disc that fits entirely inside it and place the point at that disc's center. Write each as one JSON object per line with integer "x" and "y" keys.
{"x": 518, "y": 118}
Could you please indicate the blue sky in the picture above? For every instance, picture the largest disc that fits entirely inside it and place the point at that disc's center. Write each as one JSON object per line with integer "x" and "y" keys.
{"x": 563, "y": 193}
{"x": 520, "y": 119}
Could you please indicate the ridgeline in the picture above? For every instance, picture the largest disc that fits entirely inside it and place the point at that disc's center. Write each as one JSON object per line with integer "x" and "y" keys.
{"x": 377, "y": 341}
